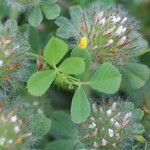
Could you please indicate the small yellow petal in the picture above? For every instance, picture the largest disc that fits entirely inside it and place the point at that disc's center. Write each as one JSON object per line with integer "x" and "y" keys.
{"x": 83, "y": 42}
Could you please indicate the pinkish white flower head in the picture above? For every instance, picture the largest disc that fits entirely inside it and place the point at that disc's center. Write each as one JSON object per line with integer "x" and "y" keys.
{"x": 108, "y": 127}
{"x": 110, "y": 33}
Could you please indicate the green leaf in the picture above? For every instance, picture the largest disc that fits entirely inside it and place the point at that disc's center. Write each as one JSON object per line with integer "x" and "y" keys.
{"x": 75, "y": 14}
{"x": 51, "y": 11}
{"x": 34, "y": 39}
{"x": 39, "y": 82}
{"x": 67, "y": 144}
{"x": 80, "y": 107}
{"x": 63, "y": 126}
{"x": 55, "y": 51}
{"x": 138, "y": 114}
{"x": 84, "y": 54}
{"x": 73, "y": 65}
{"x": 35, "y": 17}
{"x": 137, "y": 128}
{"x": 106, "y": 79}
{"x": 137, "y": 75}
{"x": 66, "y": 29}
{"x": 41, "y": 125}
{"x": 127, "y": 107}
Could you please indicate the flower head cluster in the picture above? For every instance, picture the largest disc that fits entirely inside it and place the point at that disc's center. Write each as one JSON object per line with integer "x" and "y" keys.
{"x": 12, "y": 134}
{"x": 109, "y": 127}
{"x": 111, "y": 34}
{"x": 13, "y": 44}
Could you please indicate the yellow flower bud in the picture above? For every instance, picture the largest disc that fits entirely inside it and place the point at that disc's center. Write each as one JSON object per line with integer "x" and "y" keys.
{"x": 83, "y": 42}
{"x": 140, "y": 138}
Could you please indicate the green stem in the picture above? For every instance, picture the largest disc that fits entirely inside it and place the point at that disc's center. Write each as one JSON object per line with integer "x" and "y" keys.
{"x": 32, "y": 54}
{"x": 14, "y": 12}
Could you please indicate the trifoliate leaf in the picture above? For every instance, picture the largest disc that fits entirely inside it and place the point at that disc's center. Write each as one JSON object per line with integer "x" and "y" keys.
{"x": 137, "y": 75}
{"x": 39, "y": 82}
{"x": 106, "y": 79}
{"x": 55, "y": 51}
{"x": 73, "y": 65}
{"x": 40, "y": 125}
{"x": 80, "y": 107}
{"x": 51, "y": 11}
{"x": 35, "y": 17}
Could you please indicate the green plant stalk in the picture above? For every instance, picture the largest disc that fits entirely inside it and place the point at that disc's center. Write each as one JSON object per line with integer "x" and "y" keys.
{"x": 14, "y": 12}
{"x": 70, "y": 80}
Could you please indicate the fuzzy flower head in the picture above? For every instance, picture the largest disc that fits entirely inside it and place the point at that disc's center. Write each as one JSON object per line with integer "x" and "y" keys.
{"x": 111, "y": 34}
{"x": 12, "y": 133}
{"x": 13, "y": 47}
{"x": 110, "y": 126}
